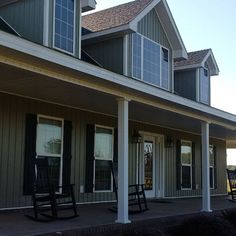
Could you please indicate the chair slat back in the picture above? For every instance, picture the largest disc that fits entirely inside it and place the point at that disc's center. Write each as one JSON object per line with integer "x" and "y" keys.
{"x": 42, "y": 181}
{"x": 232, "y": 178}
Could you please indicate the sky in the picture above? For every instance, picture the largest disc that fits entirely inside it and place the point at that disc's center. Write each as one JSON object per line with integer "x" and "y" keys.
{"x": 207, "y": 24}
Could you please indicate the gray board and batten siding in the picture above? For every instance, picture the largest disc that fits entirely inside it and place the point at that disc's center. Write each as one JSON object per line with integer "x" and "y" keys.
{"x": 185, "y": 84}
{"x": 108, "y": 53}
{"x": 26, "y": 17}
{"x": 13, "y": 112}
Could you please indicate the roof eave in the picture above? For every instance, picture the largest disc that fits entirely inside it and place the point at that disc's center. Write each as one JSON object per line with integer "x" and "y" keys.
{"x": 214, "y": 69}
{"x": 107, "y": 32}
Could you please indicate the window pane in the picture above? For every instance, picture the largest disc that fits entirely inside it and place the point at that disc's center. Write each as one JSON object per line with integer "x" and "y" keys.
{"x": 186, "y": 177}
{"x": 211, "y": 177}
{"x": 151, "y": 62}
{"x": 165, "y": 68}
{"x": 103, "y": 177}
{"x": 186, "y": 153}
{"x": 137, "y": 56}
{"x": 64, "y": 25}
{"x": 103, "y": 144}
{"x": 49, "y": 136}
{"x": 148, "y": 165}
{"x": 53, "y": 171}
{"x": 204, "y": 86}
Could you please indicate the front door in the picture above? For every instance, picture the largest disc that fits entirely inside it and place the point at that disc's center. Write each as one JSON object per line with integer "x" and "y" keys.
{"x": 151, "y": 165}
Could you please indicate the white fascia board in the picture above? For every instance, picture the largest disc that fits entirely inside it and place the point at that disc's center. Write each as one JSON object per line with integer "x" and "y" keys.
{"x": 133, "y": 24}
{"x": 177, "y": 39}
{"x": 24, "y": 46}
{"x": 106, "y": 32}
{"x": 187, "y": 67}
{"x": 214, "y": 69}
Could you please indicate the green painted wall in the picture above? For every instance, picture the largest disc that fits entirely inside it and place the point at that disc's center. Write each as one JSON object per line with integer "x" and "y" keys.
{"x": 12, "y": 136}
{"x": 108, "y": 53}
{"x": 170, "y": 167}
{"x": 150, "y": 26}
{"x": 185, "y": 83}
{"x": 26, "y": 17}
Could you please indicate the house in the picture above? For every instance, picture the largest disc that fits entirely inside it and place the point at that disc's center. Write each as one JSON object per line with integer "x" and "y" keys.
{"x": 113, "y": 86}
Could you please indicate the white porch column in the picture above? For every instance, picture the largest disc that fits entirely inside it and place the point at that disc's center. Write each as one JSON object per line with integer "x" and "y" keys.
{"x": 206, "y": 198}
{"x": 123, "y": 118}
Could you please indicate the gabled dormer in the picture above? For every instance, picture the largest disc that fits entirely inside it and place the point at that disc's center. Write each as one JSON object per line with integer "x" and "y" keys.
{"x": 138, "y": 39}
{"x": 52, "y": 23}
{"x": 193, "y": 76}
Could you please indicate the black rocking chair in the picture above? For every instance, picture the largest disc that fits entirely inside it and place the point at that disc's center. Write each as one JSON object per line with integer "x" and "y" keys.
{"x": 136, "y": 196}
{"x": 232, "y": 183}
{"x": 51, "y": 202}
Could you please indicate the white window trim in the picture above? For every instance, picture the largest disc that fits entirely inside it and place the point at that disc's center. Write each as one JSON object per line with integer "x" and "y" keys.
{"x": 94, "y": 162}
{"x": 132, "y": 59}
{"x": 52, "y": 155}
{"x": 53, "y": 30}
{"x": 213, "y": 169}
{"x": 189, "y": 165}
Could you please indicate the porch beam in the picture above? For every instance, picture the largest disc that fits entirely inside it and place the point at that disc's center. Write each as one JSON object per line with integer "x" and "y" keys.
{"x": 206, "y": 198}
{"x": 123, "y": 118}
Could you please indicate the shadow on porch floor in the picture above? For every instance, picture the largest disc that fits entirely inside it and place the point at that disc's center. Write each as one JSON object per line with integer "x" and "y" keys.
{"x": 15, "y": 223}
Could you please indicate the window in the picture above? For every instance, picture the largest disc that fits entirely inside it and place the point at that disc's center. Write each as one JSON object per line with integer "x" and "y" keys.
{"x": 186, "y": 164}
{"x": 64, "y": 25}
{"x": 204, "y": 86}
{"x": 150, "y": 61}
{"x": 103, "y": 153}
{"x": 49, "y": 143}
{"x": 212, "y": 166}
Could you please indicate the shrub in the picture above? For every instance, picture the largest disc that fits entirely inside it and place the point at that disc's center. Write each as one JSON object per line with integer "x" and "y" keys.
{"x": 204, "y": 225}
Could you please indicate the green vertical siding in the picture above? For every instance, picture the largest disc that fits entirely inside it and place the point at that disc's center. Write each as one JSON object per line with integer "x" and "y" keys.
{"x": 185, "y": 84}
{"x": 108, "y": 53}
{"x": 26, "y": 17}
{"x": 150, "y": 26}
{"x": 12, "y": 136}
{"x": 170, "y": 167}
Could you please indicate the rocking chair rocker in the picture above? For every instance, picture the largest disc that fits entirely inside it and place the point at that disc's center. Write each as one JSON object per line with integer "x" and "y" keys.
{"x": 51, "y": 202}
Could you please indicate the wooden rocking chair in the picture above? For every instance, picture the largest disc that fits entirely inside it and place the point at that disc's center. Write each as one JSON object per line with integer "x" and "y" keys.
{"x": 232, "y": 183}
{"x": 136, "y": 195}
{"x": 49, "y": 201}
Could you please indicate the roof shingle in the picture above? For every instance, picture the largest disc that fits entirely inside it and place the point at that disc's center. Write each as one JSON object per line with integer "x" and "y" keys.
{"x": 194, "y": 58}
{"x": 115, "y": 16}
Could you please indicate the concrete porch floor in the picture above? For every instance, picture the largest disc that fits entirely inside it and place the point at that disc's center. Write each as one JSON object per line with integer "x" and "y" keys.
{"x": 15, "y": 223}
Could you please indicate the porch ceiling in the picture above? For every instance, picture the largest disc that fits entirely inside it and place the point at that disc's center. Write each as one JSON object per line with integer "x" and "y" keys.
{"x": 29, "y": 84}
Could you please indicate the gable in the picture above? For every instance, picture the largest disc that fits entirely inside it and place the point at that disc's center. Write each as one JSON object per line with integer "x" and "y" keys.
{"x": 150, "y": 26}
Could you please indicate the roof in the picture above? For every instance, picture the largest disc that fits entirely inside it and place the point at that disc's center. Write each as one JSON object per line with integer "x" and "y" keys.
{"x": 194, "y": 58}
{"x": 124, "y": 19}
{"x": 115, "y": 16}
{"x": 198, "y": 59}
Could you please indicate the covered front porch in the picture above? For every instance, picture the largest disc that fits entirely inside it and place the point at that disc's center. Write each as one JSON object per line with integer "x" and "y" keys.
{"x": 163, "y": 213}
{"x": 43, "y": 81}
